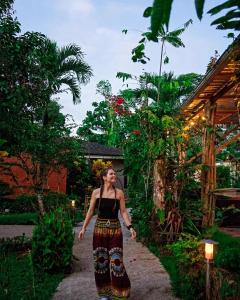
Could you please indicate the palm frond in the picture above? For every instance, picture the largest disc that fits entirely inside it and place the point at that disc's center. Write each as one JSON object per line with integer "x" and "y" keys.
{"x": 74, "y": 87}
{"x": 81, "y": 69}
{"x": 68, "y": 51}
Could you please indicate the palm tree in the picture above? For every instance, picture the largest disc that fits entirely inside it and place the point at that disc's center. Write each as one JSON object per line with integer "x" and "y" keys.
{"x": 58, "y": 67}
{"x": 64, "y": 66}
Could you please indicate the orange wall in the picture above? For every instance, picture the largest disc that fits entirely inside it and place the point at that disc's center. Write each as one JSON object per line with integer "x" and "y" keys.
{"x": 56, "y": 180}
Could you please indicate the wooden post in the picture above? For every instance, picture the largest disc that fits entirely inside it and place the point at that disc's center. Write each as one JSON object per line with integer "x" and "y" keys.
{"x": 208, "y": 175}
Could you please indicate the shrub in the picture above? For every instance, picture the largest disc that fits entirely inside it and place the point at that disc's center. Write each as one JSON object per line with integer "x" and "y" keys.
{"x": 28, "y": 203}
{"x": 52, "y": 242}
{"x": 54, "y": 200}
{"x": 17, "y": 243}
{"x": 187, "y": 250}
{"x": 19, "y": 219}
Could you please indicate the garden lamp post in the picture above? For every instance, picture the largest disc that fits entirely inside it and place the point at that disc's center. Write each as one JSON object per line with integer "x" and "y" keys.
{"x": 210, "y": 252}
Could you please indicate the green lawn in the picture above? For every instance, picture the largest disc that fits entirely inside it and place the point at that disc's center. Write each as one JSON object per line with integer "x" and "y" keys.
{"x": 18, "y": 218}
{"x": 18, "y": 282}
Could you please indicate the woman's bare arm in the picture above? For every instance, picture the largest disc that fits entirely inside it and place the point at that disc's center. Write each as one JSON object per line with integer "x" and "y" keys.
{"x": 125, "y": 214}
{"x": 123, "y": 209}
{"x": 90, "y": 210}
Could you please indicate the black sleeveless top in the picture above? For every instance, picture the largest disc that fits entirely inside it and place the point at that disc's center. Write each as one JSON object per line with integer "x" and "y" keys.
{"x": 106, "y": 210}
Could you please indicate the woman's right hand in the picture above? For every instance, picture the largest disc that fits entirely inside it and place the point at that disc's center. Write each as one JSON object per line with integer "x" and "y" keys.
{"x": 81, "y": 233}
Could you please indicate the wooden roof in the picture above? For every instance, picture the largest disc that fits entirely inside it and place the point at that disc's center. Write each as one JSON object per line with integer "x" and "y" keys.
{"x": 221, "y": 85}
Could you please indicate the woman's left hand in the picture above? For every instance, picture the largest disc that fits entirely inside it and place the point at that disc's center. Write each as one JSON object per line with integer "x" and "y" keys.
{"x": 133, "y": 233}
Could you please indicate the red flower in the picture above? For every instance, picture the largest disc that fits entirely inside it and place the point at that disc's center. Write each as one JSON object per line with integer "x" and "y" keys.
{"x": 136, "y": 132}
{"x": 120, "y": 101}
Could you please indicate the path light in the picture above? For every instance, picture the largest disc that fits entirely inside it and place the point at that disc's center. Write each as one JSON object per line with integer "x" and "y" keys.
{"x": 210, "y": 253}
{"x": 73, "y": 203}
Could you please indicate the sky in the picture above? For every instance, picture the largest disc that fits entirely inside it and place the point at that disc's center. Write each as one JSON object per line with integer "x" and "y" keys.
{"x": 96, "y": 26}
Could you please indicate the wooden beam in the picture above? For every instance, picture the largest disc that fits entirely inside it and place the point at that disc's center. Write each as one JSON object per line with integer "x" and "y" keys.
{"x": 223, "y": 90}
{"x": 230, "y": 131}
{"x": 227, "y": 143}
{"x": 220, "y": 148}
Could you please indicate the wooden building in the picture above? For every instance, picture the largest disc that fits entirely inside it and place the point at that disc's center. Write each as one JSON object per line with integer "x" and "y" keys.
{"x": 216, "y": 101}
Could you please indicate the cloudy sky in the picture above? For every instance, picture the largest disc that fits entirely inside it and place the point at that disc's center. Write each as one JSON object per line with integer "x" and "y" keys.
{"x": 96, "y": 26}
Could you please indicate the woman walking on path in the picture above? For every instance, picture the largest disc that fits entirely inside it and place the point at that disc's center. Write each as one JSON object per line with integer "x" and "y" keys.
{"x": 111, "y": 278}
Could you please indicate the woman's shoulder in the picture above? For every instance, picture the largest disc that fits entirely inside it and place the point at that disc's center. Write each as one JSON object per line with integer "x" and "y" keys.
{"x": 96, "y": 191}
{"x": 119, "y": 191}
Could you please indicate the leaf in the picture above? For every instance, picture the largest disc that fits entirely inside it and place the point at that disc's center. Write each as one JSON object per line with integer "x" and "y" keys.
{"x": 147, "y": 12}
{"x": 185, "y": 25}
{"x": 142, "y": 40}
{"x": 150, "y": 36}
{"x": 157, "y": 16}
{"x": 227, "y": 4}
{"x": 231, "y": 35}
{"x": 199, "y": 5}
{"x": 229, "y": 25}
{"x": 123, "y": 76}
{"x": 230, "y": 15}
{"x": 166, "y": 60}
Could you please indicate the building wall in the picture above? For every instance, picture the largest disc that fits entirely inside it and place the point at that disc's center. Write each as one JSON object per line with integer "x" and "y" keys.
{"x": 22, "y": 183}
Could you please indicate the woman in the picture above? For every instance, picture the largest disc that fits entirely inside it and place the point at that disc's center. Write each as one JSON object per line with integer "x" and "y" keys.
{"x": 110, "y": 274}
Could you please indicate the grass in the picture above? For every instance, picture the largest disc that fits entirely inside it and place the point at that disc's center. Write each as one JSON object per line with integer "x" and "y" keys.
{"x": 18, "y": 218}
{"x": 28, "y": 218}
{"x": 19, "y": 281}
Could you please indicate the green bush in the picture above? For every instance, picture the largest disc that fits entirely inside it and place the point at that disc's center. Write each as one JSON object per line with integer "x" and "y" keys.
{"x": 19, "y": 219}
{"x": 28, "y": 203}
{"x": 228, "y": 254}
{"x": 52, "y": 242}
{"x": 54, "y": 200}
{"x": 22, "y": 203}
{"x": 187, "y": 250}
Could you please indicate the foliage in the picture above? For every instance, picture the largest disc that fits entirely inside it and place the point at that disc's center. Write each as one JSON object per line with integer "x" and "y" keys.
{"x": 39, "y": 69}
{"x": 160, "y": 13}
{"x": 141, "y": 209}
{"x": 79, "y": 178}
{"x": 223, "y": 177}
{"x": 98, "y": 165}
{"x": 28, "y": 203}
{"x": 162, "y": 35}
{"x": 187, "y": 250}
{"x": 52, "y": 242}
{"x": 228, "y": 256}
{"x": 95, "y": 126}
{"x": 18, "y": 279}
{"x": 19, "y": 218}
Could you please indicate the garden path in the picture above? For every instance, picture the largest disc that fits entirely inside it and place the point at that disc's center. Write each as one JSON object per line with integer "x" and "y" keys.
{"x": 149, "y": 280}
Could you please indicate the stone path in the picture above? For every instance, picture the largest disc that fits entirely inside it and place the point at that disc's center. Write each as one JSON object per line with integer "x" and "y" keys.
{"x": 15, "y": 230}
{"x": 149, "y": 280}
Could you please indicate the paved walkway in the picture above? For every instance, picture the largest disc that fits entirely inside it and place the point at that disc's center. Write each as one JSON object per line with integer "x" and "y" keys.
{"x": 15, "y": 230}
{"x": 149, "y": 280}
{"x": 234, "y": 232}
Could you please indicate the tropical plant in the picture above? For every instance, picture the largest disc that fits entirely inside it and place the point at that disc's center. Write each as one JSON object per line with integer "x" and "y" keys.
{"x": 52, "y": 242}
{"x": 160, "y": 13}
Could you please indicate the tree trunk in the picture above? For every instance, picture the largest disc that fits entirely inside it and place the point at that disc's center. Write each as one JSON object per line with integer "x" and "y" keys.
{"x": 159, "y": 177}
{"x": 40, "y": 204}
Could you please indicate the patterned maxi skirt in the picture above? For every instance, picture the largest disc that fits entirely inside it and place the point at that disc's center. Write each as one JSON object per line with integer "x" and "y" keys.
{"x": 110, "y": 274}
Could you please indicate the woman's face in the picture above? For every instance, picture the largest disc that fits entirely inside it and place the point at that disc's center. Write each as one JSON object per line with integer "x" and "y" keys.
{"x": 111, "y": 176}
